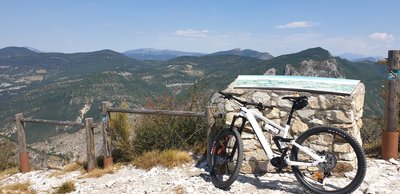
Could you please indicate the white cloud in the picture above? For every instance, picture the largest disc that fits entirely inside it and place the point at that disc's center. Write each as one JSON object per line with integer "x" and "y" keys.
{"x": 381, "y": 36}
{"x": 301, "y": 24}
{"x": 192, "y": 33}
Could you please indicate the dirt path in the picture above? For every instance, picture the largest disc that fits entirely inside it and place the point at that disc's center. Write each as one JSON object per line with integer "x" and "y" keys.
{"x": 381, "y": 177}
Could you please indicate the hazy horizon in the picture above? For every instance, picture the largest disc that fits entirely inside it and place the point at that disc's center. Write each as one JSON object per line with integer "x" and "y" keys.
{"x": 360, "y": 27}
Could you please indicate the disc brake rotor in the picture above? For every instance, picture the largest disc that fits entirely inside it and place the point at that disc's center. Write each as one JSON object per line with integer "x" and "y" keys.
{"x": 329, "y": 164}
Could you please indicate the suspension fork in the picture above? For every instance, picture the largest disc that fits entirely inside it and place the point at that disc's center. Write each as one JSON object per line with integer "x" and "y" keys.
{"x": 244, "y": 120}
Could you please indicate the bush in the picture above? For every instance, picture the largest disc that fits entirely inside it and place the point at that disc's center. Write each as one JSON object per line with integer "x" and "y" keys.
{"x": 169, "y": 132}
{"x": 121, "y": 130}
{"x": 371, "y": 135}
{"x": 6, "y": 155}
{"x": 66, "y": 187}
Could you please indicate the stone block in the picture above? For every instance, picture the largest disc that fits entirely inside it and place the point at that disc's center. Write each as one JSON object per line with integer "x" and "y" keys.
{"x": 231, "y": 106}
{"x": 305, "y": 114}
{"x": 316, "y": 122}
{"x": 284, "y": 104}
{"x": 257, "y": 154}
{"x": 283, "y": 114}
{"x": 313, "y": 102}
{"x": 249, "y": 166}
{"x": 324, "y": 103}
{"x": 273, "y": 114}
{"x": 298, "y": 127}
{"x": 262, "y": 97}
{"x": 337, "y": 116}
{"x": 342, "y": 147}
{"x": 249, "y": 145}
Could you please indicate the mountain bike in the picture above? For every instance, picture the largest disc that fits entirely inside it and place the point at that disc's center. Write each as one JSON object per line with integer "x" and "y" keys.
{"x": 323, "y": 159}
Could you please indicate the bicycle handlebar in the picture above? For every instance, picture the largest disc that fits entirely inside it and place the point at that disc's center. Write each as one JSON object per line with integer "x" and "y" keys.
{"x": 260, "y": 106}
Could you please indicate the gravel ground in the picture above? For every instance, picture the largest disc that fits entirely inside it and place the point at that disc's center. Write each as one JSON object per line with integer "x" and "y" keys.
{"x": 381, "y": 177}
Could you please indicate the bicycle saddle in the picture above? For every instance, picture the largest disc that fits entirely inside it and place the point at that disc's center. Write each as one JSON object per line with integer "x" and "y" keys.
{"x": 299, "y": 102}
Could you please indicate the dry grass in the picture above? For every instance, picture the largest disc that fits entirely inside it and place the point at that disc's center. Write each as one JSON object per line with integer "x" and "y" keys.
{"x": 97, "y": 172}
{"x": 69, "y": 168}
{"x": 8, "y": 172}
{"x": 373, "y": 149}
{"x": 169, "y": 158}
{"x": 66, "y": 187}
{"x": 73, "y": 167}
{"x": 179, "y": 190}
{"x": 17, "y": 188}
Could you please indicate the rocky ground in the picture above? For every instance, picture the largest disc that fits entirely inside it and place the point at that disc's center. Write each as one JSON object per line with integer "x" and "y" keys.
{"x": 382, "y": 177}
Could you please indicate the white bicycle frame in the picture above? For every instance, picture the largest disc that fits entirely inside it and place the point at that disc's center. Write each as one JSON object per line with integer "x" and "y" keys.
{"x": 252, "y": 117}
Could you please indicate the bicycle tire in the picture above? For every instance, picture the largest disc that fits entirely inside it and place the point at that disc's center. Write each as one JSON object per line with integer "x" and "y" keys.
{"x": 336, "y": 164}
{"x": 226, "y": 158}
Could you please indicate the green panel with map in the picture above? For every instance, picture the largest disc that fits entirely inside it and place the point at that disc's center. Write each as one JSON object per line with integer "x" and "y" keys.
{"x": 297, "y": 83}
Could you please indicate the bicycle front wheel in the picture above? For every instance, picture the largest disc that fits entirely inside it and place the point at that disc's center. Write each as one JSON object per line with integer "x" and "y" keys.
{"x": 345, "y": 165}
{"x": 226, "y": 158}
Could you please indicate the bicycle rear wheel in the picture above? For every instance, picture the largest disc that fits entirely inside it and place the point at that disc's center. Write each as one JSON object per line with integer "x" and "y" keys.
{"x": 345, "y": 165}
{"x": 226, "y": 158}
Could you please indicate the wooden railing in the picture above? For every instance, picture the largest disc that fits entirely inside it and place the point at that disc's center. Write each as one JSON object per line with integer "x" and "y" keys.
{"x": 23, "y": 153}
{"x": 210, "y": 115}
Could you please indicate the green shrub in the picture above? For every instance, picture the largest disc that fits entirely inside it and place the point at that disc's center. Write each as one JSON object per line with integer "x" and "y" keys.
{"x": 154, "y": 132}
{"x": 100, "y": 161}
{"x": 121, "y": 130}
{"x": 6, "y": 155}
{"x": 371, "y": 135}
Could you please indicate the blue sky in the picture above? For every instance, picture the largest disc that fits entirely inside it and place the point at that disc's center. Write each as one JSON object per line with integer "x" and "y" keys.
{"x": 279, "y": 27}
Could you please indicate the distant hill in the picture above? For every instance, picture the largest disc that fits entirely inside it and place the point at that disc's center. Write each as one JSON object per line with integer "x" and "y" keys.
{"x": 57, "y": 85}
{"x": 245, "y": 53}
{"x": 357, "y": 57}
{"x": 368, "y": 59}
{"x": 157, "y": 54}
{"x": 9, "y": 52}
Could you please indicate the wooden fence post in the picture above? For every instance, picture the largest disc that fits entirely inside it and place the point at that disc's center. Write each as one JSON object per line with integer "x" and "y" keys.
{"x": 23, "y": 153}
{"x": 211, "y": 132}
{"x": 390, "y": 135}
{"x": 91, "y": 158}
{"x": 108, "y": 160}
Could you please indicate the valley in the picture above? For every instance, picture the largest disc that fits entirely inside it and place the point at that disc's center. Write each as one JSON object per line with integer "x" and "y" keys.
{"x": 57, "y": 85}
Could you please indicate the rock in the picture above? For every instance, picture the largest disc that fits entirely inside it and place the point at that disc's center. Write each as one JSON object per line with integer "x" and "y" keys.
{"x": 298, "y": 127}
{"x": 338, "y": 117}
{"x": 271, "y": 71}
{"x": 110, "y": 183}
{"x": 274, "y": 114}
{"x": 283, "y": 114}
{"x": 324, "y": 102}
{"x": 284, "y": 104}
{"x": 247, "y": 136}
{"x": 313, "y": 102}
{"x": 262, "y": 97}
{"x": 393, "y": 161}
{"x": 342, "y": 147}
{"x": 230, "y": 106}
{"x": 316, "y": 122}
{"x": 305, "y": 114}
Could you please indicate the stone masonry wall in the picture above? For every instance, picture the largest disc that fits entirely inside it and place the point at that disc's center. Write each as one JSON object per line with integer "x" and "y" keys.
{"x": 341, "y": 111}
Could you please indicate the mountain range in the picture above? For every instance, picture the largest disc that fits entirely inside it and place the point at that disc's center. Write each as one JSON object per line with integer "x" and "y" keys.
{"x": 60, "y": 86}
{"x": 163, "y": 55}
